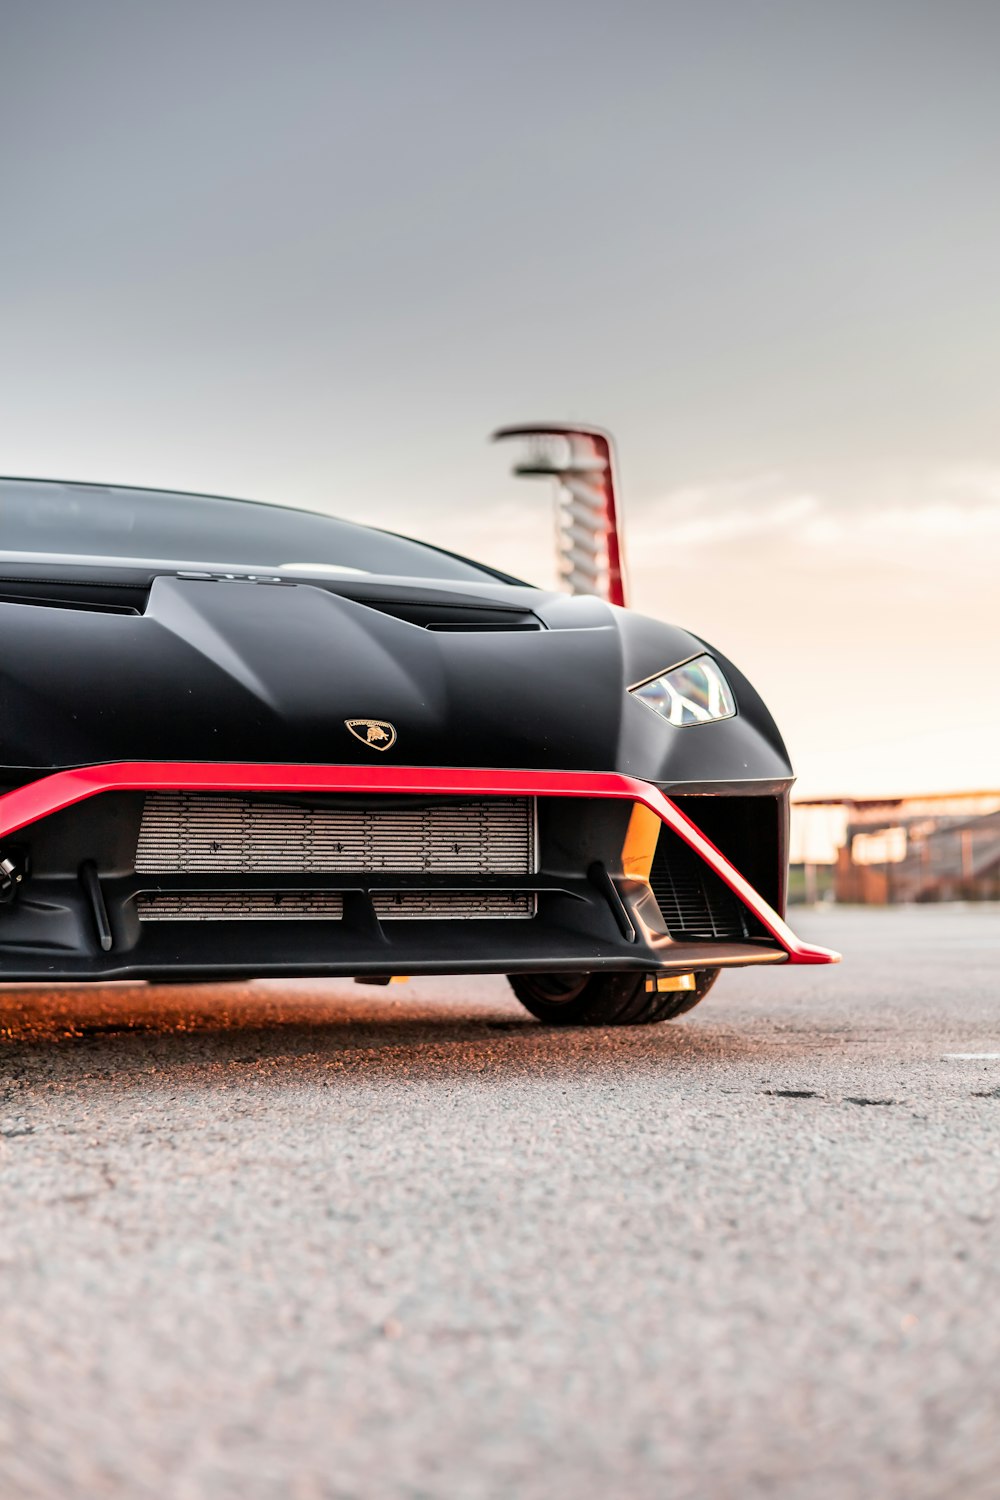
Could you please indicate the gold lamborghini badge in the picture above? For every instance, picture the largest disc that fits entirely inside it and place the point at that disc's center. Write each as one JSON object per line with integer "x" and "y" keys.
{"x": 377, "y": 734}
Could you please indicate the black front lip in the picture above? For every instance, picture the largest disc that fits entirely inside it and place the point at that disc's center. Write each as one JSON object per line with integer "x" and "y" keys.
{"x": 73, "y": 823}
{"x": 576, "y": 929}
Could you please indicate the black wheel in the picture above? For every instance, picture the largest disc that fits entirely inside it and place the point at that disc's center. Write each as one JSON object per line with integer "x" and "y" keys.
{"x": 605, "y": 999}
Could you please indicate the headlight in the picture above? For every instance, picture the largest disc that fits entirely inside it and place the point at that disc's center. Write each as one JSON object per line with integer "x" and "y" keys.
{"x": 696, "y": 693}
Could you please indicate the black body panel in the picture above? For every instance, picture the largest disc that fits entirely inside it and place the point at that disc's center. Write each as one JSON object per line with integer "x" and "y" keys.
{"x": 105, "y": 660}
{"x": 488, "y": 675}
{"x": 77, "y": 915}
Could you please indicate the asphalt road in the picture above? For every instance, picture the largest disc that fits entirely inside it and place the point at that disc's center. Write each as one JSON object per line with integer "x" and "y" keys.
{"x": 322, "y": 1240}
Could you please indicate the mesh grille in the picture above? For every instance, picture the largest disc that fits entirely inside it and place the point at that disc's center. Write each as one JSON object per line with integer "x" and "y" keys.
{"x": 430, "y": 906}
{"x": 696, "y": 904}
{"x": 239, "y": 906}
{"x": 189, "y": 832}
{"x": 328, "y": 906}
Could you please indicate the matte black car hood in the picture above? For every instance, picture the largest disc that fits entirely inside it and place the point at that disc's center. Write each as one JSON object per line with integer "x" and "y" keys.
{"x": 238, "y": 671}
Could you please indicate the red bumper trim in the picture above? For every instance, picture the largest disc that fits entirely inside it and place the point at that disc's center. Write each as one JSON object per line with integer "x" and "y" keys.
{"x": 50, "y": 794}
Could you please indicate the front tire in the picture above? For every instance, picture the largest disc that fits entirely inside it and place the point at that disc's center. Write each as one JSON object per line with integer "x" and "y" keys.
{"x": 605, "y": 999}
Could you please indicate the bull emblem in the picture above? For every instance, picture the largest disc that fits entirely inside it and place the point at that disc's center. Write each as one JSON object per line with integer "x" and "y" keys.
{"x": 377, "y": 734}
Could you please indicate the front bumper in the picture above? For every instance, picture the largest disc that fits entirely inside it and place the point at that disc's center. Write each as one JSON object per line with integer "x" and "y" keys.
{"x": 80, "y": 923}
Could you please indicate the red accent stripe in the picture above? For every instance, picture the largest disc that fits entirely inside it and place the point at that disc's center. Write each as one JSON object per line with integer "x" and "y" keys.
{"x": 616, "y": 562}
{"x": 608, "y": 482}
{"x": 39, "y": 799}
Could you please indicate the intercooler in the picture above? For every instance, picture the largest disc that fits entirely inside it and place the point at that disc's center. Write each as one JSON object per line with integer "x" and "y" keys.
{"x": 189, "y": 833}
{"x": 192, "y": 834}
{"x": 328, "y": 906}
{"x": 239, "y": 906}
{"x": 423, "y": 906}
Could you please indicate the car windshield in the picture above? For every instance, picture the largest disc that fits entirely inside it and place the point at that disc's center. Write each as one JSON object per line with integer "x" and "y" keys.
{"x": 44, "y": 520}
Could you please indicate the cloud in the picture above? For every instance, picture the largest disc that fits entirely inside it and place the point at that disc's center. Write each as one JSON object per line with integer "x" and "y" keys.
{"x": 863, "y": 613}
{"x": 976, "y": 480}
{"x": 897, "y": 522}
{"x": 726, "y": 515}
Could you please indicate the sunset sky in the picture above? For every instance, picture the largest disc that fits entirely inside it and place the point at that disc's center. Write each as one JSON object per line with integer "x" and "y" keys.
{"x": 314, "y": 252}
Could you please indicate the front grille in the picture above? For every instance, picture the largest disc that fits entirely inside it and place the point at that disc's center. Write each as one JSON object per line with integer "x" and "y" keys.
{"x": 191, "y": 832}
{"x": 434, "y": 906}
{"x": 697, "y": 906}
{"x": 328, "y": 906}
{"x": 240, "y": 906}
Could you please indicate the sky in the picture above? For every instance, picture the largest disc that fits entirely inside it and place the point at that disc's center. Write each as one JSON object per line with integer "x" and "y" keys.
{"x": 314, "y": 252}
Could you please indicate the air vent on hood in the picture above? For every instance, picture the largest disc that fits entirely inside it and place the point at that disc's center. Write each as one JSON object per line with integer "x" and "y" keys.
{"x": 429, "y": 609}
{"x": 436, "y": 609}
{"x": 451, "y": 617}
{"x": 456, "y": 626}
{"x": 93, "y": 598}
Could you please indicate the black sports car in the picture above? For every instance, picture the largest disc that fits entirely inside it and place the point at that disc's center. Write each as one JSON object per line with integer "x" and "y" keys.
{"x": 246, "y": 740}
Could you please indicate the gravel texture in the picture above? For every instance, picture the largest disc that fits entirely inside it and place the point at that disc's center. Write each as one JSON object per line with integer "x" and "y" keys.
{"x": 321, "y": 1240}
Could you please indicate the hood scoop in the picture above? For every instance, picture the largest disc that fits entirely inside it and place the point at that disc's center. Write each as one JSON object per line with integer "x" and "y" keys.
{"x": 431, "y": 610}
{"x": 94, "y": 598}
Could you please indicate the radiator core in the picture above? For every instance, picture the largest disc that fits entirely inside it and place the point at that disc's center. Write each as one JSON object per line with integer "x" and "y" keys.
{"x": 192, "y": 832}
{"x": 240, "y": 906}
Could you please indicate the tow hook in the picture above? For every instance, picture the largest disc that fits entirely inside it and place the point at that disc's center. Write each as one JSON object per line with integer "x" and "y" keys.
{"x": 11, "y": 876}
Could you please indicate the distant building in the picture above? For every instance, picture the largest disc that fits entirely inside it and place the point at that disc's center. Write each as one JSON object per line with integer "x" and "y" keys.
{"x": 887, "y": 850}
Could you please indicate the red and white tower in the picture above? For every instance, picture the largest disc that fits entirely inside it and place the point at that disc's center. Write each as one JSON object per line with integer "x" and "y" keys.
{"x": 581, "y": 460}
